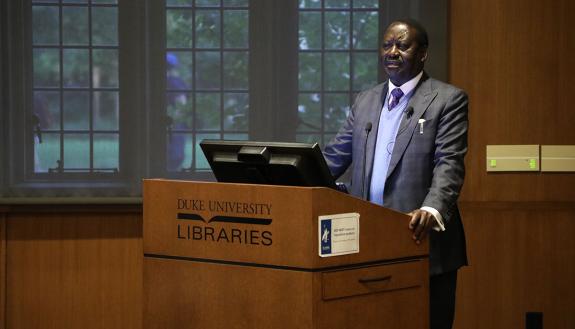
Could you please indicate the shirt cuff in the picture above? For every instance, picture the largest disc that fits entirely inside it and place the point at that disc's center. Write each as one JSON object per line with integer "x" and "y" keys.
{"x": 438, "y": 226}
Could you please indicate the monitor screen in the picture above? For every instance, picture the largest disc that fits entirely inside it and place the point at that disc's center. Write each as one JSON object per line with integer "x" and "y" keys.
{"x": 293, "y": 164}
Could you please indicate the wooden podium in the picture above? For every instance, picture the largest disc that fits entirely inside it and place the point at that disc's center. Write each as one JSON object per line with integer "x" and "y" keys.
{"x": 247, "y": 256}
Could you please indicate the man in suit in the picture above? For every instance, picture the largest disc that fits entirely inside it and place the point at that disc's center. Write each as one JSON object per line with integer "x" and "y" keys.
{"x": 405, "y": 141}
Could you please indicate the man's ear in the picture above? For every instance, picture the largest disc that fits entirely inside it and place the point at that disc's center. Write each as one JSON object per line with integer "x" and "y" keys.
{"x": 424, "y": 54}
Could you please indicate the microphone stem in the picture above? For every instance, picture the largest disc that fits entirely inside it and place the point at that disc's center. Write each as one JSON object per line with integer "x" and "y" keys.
{"x": 363, "y": 189}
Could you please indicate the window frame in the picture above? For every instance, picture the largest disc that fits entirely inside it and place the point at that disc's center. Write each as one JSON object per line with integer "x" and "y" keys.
{"x": 18, "y": 176}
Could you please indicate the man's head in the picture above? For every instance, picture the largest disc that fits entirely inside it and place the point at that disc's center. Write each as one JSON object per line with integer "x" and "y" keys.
{"x": 403, "y": 50}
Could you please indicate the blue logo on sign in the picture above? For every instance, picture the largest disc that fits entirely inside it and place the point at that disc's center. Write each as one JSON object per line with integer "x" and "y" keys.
{"x": 326, "y": 237}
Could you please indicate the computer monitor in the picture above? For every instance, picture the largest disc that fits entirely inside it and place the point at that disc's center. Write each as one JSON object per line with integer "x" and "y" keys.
{"x": 292, "y": 164}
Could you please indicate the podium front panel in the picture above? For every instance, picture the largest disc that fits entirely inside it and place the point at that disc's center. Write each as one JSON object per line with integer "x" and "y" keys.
{"x": 246, "y": 256}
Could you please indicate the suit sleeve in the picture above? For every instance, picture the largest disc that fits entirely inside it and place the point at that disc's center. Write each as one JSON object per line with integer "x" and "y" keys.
{"x": 338, "y": 152}
{"x": 450, "y": 150}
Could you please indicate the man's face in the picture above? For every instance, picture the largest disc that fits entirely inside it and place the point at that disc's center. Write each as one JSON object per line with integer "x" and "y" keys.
{"x": 401, "y": 55}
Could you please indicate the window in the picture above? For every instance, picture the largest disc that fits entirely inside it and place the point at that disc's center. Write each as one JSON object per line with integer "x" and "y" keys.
{"x": 75, "y": 87}
{"x": 207, "y": 77}
{"x": 103, "y": 93}
{"x": 338, "y": 56}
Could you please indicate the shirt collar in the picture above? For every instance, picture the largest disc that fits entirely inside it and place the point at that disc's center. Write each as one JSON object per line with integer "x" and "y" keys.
{"x": 407, "y": 87}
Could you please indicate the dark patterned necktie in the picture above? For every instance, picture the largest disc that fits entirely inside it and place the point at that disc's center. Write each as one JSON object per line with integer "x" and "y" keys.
{"x": 396, "y": 95}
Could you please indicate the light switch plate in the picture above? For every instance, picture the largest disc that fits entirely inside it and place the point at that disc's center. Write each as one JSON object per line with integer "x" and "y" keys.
{"x": 558, "y": 158}
{"x": 512, "y": 158}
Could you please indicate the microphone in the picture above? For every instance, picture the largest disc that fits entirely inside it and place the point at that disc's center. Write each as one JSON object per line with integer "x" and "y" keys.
{"x": 368, "y": 127}
{"x": 363, "y": 189}
{"x": 408, "y": 112}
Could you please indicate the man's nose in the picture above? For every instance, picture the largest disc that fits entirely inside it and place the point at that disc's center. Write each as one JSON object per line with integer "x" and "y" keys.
{"x": 392, "y": 51}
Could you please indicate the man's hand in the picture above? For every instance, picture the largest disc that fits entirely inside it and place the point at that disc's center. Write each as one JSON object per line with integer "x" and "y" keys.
{"x": 420, "y": 224}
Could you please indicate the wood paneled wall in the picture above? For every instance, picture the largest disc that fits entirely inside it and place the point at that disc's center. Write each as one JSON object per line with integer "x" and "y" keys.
{"x": 522, "y": 259}
{"x": 73, "y": 268}
{"x": 2, "y": 270}
{"x": 515, "y": 60}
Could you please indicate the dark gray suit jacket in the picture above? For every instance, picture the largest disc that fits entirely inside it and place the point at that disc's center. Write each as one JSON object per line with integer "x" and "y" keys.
{"x": 426, "y": 169}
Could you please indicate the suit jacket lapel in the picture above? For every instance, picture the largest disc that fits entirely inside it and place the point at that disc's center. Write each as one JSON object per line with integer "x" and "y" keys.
{"x": 420, "y": 101}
